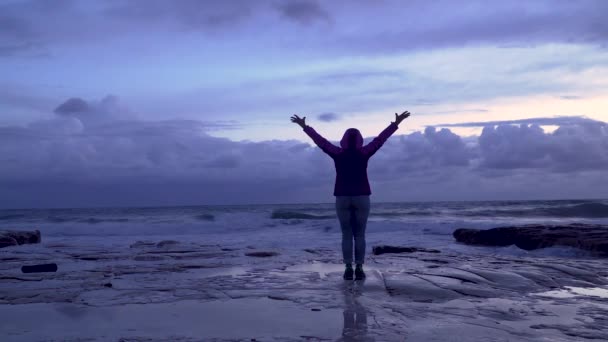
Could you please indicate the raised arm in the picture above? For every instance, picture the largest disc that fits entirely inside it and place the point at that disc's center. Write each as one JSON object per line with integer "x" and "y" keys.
{"x": 323, "y": 144}
{"x": 374, "y": 145}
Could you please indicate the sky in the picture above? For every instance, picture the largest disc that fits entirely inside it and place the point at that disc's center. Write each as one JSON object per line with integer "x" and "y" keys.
{"x": 158, "y": 102}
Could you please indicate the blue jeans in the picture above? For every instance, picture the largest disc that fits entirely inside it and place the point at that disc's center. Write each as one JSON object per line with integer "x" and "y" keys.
{"x": 352, "y": 213}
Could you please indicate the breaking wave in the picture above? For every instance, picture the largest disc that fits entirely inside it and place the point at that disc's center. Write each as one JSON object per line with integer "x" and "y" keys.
{"x": 287, "y": 215}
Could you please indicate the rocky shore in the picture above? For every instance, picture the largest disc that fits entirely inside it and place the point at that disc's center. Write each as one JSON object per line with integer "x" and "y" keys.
{"x": 588, "y": 237}
{"x": 18, "y": 237}
{"x": 188, "y": 291}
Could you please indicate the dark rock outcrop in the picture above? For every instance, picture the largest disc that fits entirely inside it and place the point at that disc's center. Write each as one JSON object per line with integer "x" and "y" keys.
{"x": 589, "y": 237}
{"x": 18, "y": 237}
{"x": 377, "y": 250}
{"x": 6, "y": 241}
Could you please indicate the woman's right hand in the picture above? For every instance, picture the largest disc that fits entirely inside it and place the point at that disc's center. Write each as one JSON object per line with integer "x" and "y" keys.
{"x": 401, "y": 117}
{"x": 300, "y": 121}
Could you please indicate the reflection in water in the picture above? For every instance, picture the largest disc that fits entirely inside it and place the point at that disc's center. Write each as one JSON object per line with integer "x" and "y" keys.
{"x": 355, "y": 314}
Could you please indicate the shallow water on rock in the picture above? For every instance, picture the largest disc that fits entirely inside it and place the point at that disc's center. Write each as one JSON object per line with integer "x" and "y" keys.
{"x": 231, "y": 319}
{"x": 323, "y": 269}
{"x": 572, "y": 291}
{"x": 185, "y": 291}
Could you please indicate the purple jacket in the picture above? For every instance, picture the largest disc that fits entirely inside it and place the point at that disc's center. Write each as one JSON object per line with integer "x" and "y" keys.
{"x": 351, "y": 158}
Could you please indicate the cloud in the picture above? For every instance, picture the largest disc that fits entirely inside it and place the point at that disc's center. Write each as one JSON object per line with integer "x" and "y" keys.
{"x": 21, "y": 97}
{"x": 23, "y": 27}
{"x": 13, "y": 26}
{"x": 171, "y": 162}
{"x": 464, "y": 110}
{"x": 570, "y": 148}
{"x": 552, "y": 121}
{"x": 72, "y": 106}
{"x": 420, "y": 153}
{"x": 26, "y": 49}
{"x": 578, "y": 144}
{"x": 328, "y": 117}
{"x": 185, "y": 14}
{"x": 509, "y": 23}
{"x": 303, "y": 11}
{"x": 107, "y": 109}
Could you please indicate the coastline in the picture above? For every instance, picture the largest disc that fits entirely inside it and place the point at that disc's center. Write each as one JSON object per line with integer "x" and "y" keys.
{"x": 191, "y": 288}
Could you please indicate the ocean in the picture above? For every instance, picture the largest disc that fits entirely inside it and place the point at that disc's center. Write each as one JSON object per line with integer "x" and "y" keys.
{"x": 428, "y": 224}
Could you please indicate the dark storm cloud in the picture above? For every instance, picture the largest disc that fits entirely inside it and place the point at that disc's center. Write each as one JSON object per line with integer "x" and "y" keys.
{"x": 107, "y": 109}
{"x": 225, "y": 161}
{"x": 24, "y": 26}
{"x": 389, "y": 25}
{"x": 421, "y": 152}
{"x": 570, "y": 148}
{"x": 578, "y": 144}
{"x": 328, "y": 117}
{"x": 138, "y": 154}
{"x": 194, "y": 14}
{"x": 188, "y": 14}
{"x": 303, "y": 11}
{"x": 509, "y": 23}
{"x": 72, "y": 106}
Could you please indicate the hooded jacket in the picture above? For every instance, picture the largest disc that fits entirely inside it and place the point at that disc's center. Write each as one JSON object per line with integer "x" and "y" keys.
{"x": 350, "y": 159}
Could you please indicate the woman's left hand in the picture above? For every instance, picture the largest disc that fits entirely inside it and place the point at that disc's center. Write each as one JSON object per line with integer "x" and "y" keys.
{"x": 401, "y": 117}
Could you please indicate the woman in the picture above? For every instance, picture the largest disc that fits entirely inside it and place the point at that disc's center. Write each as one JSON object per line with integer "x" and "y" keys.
{"x": 352, "y": 188}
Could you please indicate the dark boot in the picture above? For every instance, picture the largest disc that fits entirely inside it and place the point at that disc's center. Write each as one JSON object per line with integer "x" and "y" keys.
{"x": 359, "y": 274}
{"x": 348, "y": 272}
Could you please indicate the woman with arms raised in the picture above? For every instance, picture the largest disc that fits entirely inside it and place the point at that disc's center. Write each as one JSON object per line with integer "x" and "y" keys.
{"x": 352, "y": 188}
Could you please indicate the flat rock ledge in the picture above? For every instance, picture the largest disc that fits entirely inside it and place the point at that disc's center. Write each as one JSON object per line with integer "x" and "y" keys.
{"x": 18, "y": 237}
{"x": 588, "y": 237}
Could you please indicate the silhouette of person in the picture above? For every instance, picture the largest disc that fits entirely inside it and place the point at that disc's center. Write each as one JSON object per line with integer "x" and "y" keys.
{"x": 351, "y": 189}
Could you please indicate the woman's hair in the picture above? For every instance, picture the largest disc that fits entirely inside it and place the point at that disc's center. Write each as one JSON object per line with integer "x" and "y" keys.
{"x": 352, "y": 139}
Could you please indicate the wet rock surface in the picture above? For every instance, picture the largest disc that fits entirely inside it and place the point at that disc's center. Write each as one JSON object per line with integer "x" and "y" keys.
{"x": 592, "y": 238}
{"x": 113, "y": 292}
